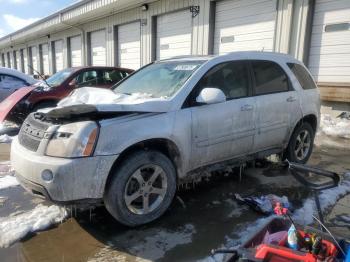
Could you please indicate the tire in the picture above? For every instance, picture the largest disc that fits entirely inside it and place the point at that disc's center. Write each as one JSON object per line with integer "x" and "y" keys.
{"x": 44, "y": 104}
{"x": 133, "y": 178}
{"x": 296, "y": 151}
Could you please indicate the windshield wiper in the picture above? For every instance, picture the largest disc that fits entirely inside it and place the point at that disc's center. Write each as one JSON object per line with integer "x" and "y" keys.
{"x": 41, "y": 76}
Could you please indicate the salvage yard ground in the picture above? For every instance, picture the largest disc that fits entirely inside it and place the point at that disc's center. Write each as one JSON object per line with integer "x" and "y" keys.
{"x": 202, "y": 217}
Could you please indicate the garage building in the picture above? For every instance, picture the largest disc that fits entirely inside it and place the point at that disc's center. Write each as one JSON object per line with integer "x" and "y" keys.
{"x": 133, "y": 33}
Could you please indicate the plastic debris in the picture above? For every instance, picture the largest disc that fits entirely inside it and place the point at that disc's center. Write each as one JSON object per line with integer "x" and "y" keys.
{"x": 265, "y": 204}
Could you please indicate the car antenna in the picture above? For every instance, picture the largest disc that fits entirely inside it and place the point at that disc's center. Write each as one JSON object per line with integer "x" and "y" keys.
{"x": 41, "y": 76}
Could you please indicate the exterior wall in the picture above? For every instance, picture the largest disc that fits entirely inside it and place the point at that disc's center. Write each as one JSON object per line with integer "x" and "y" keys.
{"x": 292, "y": 27}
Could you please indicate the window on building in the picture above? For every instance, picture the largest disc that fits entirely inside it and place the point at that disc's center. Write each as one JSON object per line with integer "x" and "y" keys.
{"x": 231, "y": 77}
{"x": 304, "y": 78}
{"x": 269, "y": 78}
{"x": 337, "y": 27}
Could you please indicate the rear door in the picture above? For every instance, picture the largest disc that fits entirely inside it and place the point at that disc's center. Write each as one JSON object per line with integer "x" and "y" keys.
{"x": 278, "y": 106}
{"x": 224, "y": 130}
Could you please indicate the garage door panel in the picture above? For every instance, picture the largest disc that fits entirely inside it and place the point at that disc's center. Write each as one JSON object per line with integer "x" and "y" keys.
{"x": 58, "y": 55}
{"x": 174, "y": 34}
{"x": 129, "y": 45}
{"x": 35, "y": 58}
{"x": 329, "y": 50}
{"x": 244, "y": 25}
{"x": 98, "y": 48}
{"x": 261, "y": 9}
{"x": 75, "y": 51}
{"x": 25, "y": 59}
{"x": 330, "y": 5}
{"x": 329, "y": 59}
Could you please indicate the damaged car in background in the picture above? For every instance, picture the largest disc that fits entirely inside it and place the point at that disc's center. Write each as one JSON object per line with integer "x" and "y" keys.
{"x": 131, "y": 146}
{"x": 47, "y": 93}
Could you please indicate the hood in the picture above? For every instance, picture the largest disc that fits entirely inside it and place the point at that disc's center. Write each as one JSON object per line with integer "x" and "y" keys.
{"x": 97, "y": 101}
{"x": 10, "y": 102}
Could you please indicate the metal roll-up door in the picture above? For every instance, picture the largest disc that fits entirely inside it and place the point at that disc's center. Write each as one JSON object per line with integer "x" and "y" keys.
{"x": 18, "y": 60}
{"x": 34, "y": 58}
{"x": 58, "y": 48}
{"x": 98, "y": 48}
{"x": 45, "y": 66}
{"x": 129, "y": 45}
{"x": 25, "y": 61}
{"x": 244, "y": 25}
{"x": 75, "y": 51}
{"x": 12, "y": 60}
{"x": 329, "y": 58}
{"x": 174, "y": 34}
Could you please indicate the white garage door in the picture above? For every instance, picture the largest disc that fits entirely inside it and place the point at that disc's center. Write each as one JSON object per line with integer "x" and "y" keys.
{"x": 242, "y": 25}
{"x": 18, "y": 61}
{"x": 45, "y": 59}
{"x": 34, "y": 58}
{"x": 25, "y": 60}
{"x": 129, "y": 45}
{"x": 58, "y": 55}
{"x": 75, "y": 51}
{"x": 98, "y": 48}
{"x": 329, "y": 59}
{"x": 174, "y": 34}
{"x": 12, "y": 61}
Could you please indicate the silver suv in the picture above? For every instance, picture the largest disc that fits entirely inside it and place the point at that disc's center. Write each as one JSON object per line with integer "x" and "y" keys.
{"x": 131, "y": 146}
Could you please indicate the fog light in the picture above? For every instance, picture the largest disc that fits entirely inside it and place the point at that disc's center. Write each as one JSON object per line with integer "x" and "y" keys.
{"x": 47, "y": 175}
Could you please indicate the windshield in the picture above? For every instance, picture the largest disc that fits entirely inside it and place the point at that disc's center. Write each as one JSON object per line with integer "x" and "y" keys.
{"x": 59, "y": 77}
{"x": 161, "y": 79}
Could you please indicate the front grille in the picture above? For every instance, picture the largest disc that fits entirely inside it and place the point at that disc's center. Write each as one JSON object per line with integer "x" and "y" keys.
{"x": 32, "y": 132}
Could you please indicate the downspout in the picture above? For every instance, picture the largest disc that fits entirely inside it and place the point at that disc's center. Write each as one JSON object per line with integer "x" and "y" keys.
{"x": 83, "y": 37}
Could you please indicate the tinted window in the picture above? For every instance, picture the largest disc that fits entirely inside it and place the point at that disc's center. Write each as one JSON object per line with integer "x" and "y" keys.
{"x": 304, "y": 78}
{"x": 7, "y": 81}
{"x": 269, "y": 78}
{"x": 231, "y": 78}
{"x": 87, "y": 78}
{"x": 112, "y": 76}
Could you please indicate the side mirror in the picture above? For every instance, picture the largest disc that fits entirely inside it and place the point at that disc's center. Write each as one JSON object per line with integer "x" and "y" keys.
{"x": 211, "y": 95}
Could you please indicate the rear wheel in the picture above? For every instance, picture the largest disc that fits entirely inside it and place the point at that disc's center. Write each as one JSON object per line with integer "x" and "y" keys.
{"x": 300, "y": 144}
{"x": 141, "y": 189}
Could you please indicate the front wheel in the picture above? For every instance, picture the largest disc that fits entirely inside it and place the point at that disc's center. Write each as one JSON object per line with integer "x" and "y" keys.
{"x": 141, "y": 189}
{"x": 300, "y": 144}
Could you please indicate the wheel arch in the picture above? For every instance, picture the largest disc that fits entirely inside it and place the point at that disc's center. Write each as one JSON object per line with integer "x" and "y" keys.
{"x": 310, "y": 118}
{"x": 163, "y": 145}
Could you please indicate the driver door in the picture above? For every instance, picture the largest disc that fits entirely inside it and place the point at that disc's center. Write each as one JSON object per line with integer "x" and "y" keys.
{"x": 224, "y": 130}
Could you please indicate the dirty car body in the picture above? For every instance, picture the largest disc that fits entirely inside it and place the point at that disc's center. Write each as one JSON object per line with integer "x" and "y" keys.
{"x": 131, "y": 149}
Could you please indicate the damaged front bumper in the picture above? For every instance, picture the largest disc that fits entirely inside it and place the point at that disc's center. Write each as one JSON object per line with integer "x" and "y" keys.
{"x": 61, "y": 179}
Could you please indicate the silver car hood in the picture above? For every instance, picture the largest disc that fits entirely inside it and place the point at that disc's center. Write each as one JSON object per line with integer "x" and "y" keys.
{"x": 105, "y": 100}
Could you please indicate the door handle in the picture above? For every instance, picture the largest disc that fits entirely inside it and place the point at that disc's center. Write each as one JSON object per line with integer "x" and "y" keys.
{"x": 246, "y": 108}
{"x": 291, "y": 99}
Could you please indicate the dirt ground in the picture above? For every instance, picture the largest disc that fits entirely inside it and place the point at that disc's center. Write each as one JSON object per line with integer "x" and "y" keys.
{"x": 202, "y": 217}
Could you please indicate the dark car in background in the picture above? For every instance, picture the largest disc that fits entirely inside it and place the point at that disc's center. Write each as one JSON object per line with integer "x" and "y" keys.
{"x": 48, "y": 92}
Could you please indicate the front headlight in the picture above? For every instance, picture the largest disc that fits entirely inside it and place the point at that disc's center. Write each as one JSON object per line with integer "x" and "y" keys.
{"x": 73, "y": 140}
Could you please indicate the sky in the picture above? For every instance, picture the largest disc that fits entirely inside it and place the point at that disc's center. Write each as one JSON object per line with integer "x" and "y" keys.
{"x": 16, "y": 14}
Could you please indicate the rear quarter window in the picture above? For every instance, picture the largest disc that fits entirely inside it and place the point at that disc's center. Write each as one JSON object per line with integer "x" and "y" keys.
{"x": 269, "y": 78}
{"x": 304, "y": 78}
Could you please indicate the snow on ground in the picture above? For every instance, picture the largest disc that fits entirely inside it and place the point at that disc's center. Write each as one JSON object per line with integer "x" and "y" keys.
{"x": 328, "y": 198}
{"x": 6, "y": 139}
{"x": 335, "y": 127}
{"x": 14, "y": 228}
{"x": 8, "y": 181}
